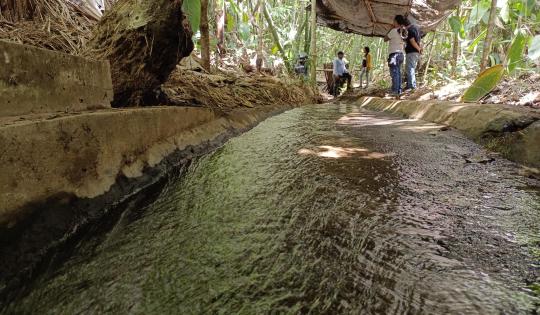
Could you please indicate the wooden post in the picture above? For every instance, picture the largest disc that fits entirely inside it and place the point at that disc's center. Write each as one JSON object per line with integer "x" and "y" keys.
{"x": 313, "y": 46}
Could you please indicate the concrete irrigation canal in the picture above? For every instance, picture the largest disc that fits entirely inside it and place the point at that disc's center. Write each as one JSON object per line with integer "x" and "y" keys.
{"x": 322, "y": 209}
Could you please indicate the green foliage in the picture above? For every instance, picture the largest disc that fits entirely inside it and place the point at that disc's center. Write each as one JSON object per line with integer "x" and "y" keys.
{"x": 479, "y": 13}
{"x": 515, "y": 54}
{"x": 505, "y": 10}
{"x": 231, "y": 23}
{"x": 457, "y": 26}
{"x": 484, "y": 84}
{"x": 477, "y": 40}
{"x": 291, "y": 22}
{"x": 534, "y": 48}
{"x": 192, "y": 8}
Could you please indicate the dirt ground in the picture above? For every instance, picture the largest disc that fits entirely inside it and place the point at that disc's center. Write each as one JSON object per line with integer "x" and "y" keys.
{"x": 521, "y": 91}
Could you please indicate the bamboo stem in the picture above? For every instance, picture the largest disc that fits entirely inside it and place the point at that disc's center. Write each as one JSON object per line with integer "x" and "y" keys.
{"x": 276, "y": 37}
{"x": 426, "y": 70}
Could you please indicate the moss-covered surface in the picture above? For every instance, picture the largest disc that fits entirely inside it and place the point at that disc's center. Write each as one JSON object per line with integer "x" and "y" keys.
{"x": 514, "y": 132}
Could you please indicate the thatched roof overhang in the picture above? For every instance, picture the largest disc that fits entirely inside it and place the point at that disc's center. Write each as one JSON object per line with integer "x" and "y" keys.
{"x": 374, "y": 17}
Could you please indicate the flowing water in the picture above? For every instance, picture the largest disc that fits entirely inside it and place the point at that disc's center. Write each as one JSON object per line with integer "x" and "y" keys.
{"x": 322, "y": 209}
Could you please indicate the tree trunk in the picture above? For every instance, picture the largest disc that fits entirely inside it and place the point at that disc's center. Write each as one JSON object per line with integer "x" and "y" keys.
{"x": 143, "y": 40}
{"x": 220, "y": 31}
{"x": 307, "y": 34}
{"x": 313, "y": 45}
{"x": 260, "y": 36}
{"x": 205, "y": 36}
{"x": 489, "y": 35}
{"x": 300, "y": 33}
{"x": 430, "y": 54}
{"x": 456, "y": 49}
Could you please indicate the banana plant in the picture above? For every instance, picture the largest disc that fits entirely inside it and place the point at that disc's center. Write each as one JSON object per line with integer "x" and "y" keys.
{"x": 485, "y": 83}
{"x": 192, "y": 9}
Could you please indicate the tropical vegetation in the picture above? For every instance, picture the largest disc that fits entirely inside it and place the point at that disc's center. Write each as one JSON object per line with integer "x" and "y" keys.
{"x": 478, "y": 35}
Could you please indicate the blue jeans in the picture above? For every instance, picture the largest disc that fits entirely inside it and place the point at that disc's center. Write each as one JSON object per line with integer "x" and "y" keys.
{"x": 395, "y": 61}
{"x": 410, "y": 67}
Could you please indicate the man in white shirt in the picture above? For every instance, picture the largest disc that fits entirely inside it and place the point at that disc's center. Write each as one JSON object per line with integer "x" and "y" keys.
{"x": 340, "y": 72}
{"x": 395, "y": 54}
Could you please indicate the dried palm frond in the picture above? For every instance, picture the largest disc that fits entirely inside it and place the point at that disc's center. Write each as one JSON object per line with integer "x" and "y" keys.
{"x": 61, "y": 25}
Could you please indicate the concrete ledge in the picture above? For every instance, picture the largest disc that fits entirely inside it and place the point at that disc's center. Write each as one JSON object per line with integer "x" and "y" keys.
{"x": 83, "y": 155}
{"x": 35, "y": 80}
{"x": 511, "y": 131}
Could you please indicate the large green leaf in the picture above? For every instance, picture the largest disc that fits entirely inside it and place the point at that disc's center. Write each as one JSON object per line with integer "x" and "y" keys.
{"x": 235, "y": 7}
{"x": 484, "y": 84}
{"x": 505, "y": 10}
{"x": 192, "y": 9}
{"x": 515, "y": 53}
{"x": 525, "y": 7}
{"x": 244, "y": 30}
{"x": 478, "y": 12}
{"x": 534, "y": 48}
{"x": 456, "y": 25}
{"x": 231, "y": 22}
{"x": 476, "y": 41}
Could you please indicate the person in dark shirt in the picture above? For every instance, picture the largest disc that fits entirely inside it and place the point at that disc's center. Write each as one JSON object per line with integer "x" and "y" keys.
{"x": 413, "y": 50}
{"x": 301, "y": 68}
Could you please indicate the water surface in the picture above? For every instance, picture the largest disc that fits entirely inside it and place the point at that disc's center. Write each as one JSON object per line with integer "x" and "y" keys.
{"x": 323, "y": 209}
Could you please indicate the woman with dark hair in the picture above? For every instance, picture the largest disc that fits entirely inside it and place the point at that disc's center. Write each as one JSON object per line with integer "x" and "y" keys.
{"x": 366, "y": 67}
{"x": 395, "y": 54}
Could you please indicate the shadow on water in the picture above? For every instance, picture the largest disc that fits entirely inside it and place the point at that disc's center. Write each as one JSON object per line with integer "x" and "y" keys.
{"x": 323, "y": 209}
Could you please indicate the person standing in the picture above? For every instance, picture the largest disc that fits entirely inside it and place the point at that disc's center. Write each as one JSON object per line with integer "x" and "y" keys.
{"x": 395, "y": 54}
{"x": 366, "y": 67}
{"x": 413, "y": 50}
{"x": 340, "y": 72}
{"x": 301, "y": 68}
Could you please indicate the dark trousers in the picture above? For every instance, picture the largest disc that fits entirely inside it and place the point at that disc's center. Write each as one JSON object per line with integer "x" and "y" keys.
{"x": 339, "y": 82}
{"x": 395, "y": 61}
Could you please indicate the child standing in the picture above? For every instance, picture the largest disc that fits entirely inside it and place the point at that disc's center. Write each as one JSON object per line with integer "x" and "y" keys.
{"x": 366, "y": 67}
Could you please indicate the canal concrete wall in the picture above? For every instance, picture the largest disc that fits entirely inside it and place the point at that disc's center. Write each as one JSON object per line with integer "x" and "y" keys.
{"x": 83, "y": 155}
{"x": 60, "y": 139}
{"x": 35, "y": 80}
{"x": 513, "y": 132}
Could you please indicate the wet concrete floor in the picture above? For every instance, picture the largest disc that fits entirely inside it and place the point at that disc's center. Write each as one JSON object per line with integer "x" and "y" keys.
{"x": 324, "y": 209}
